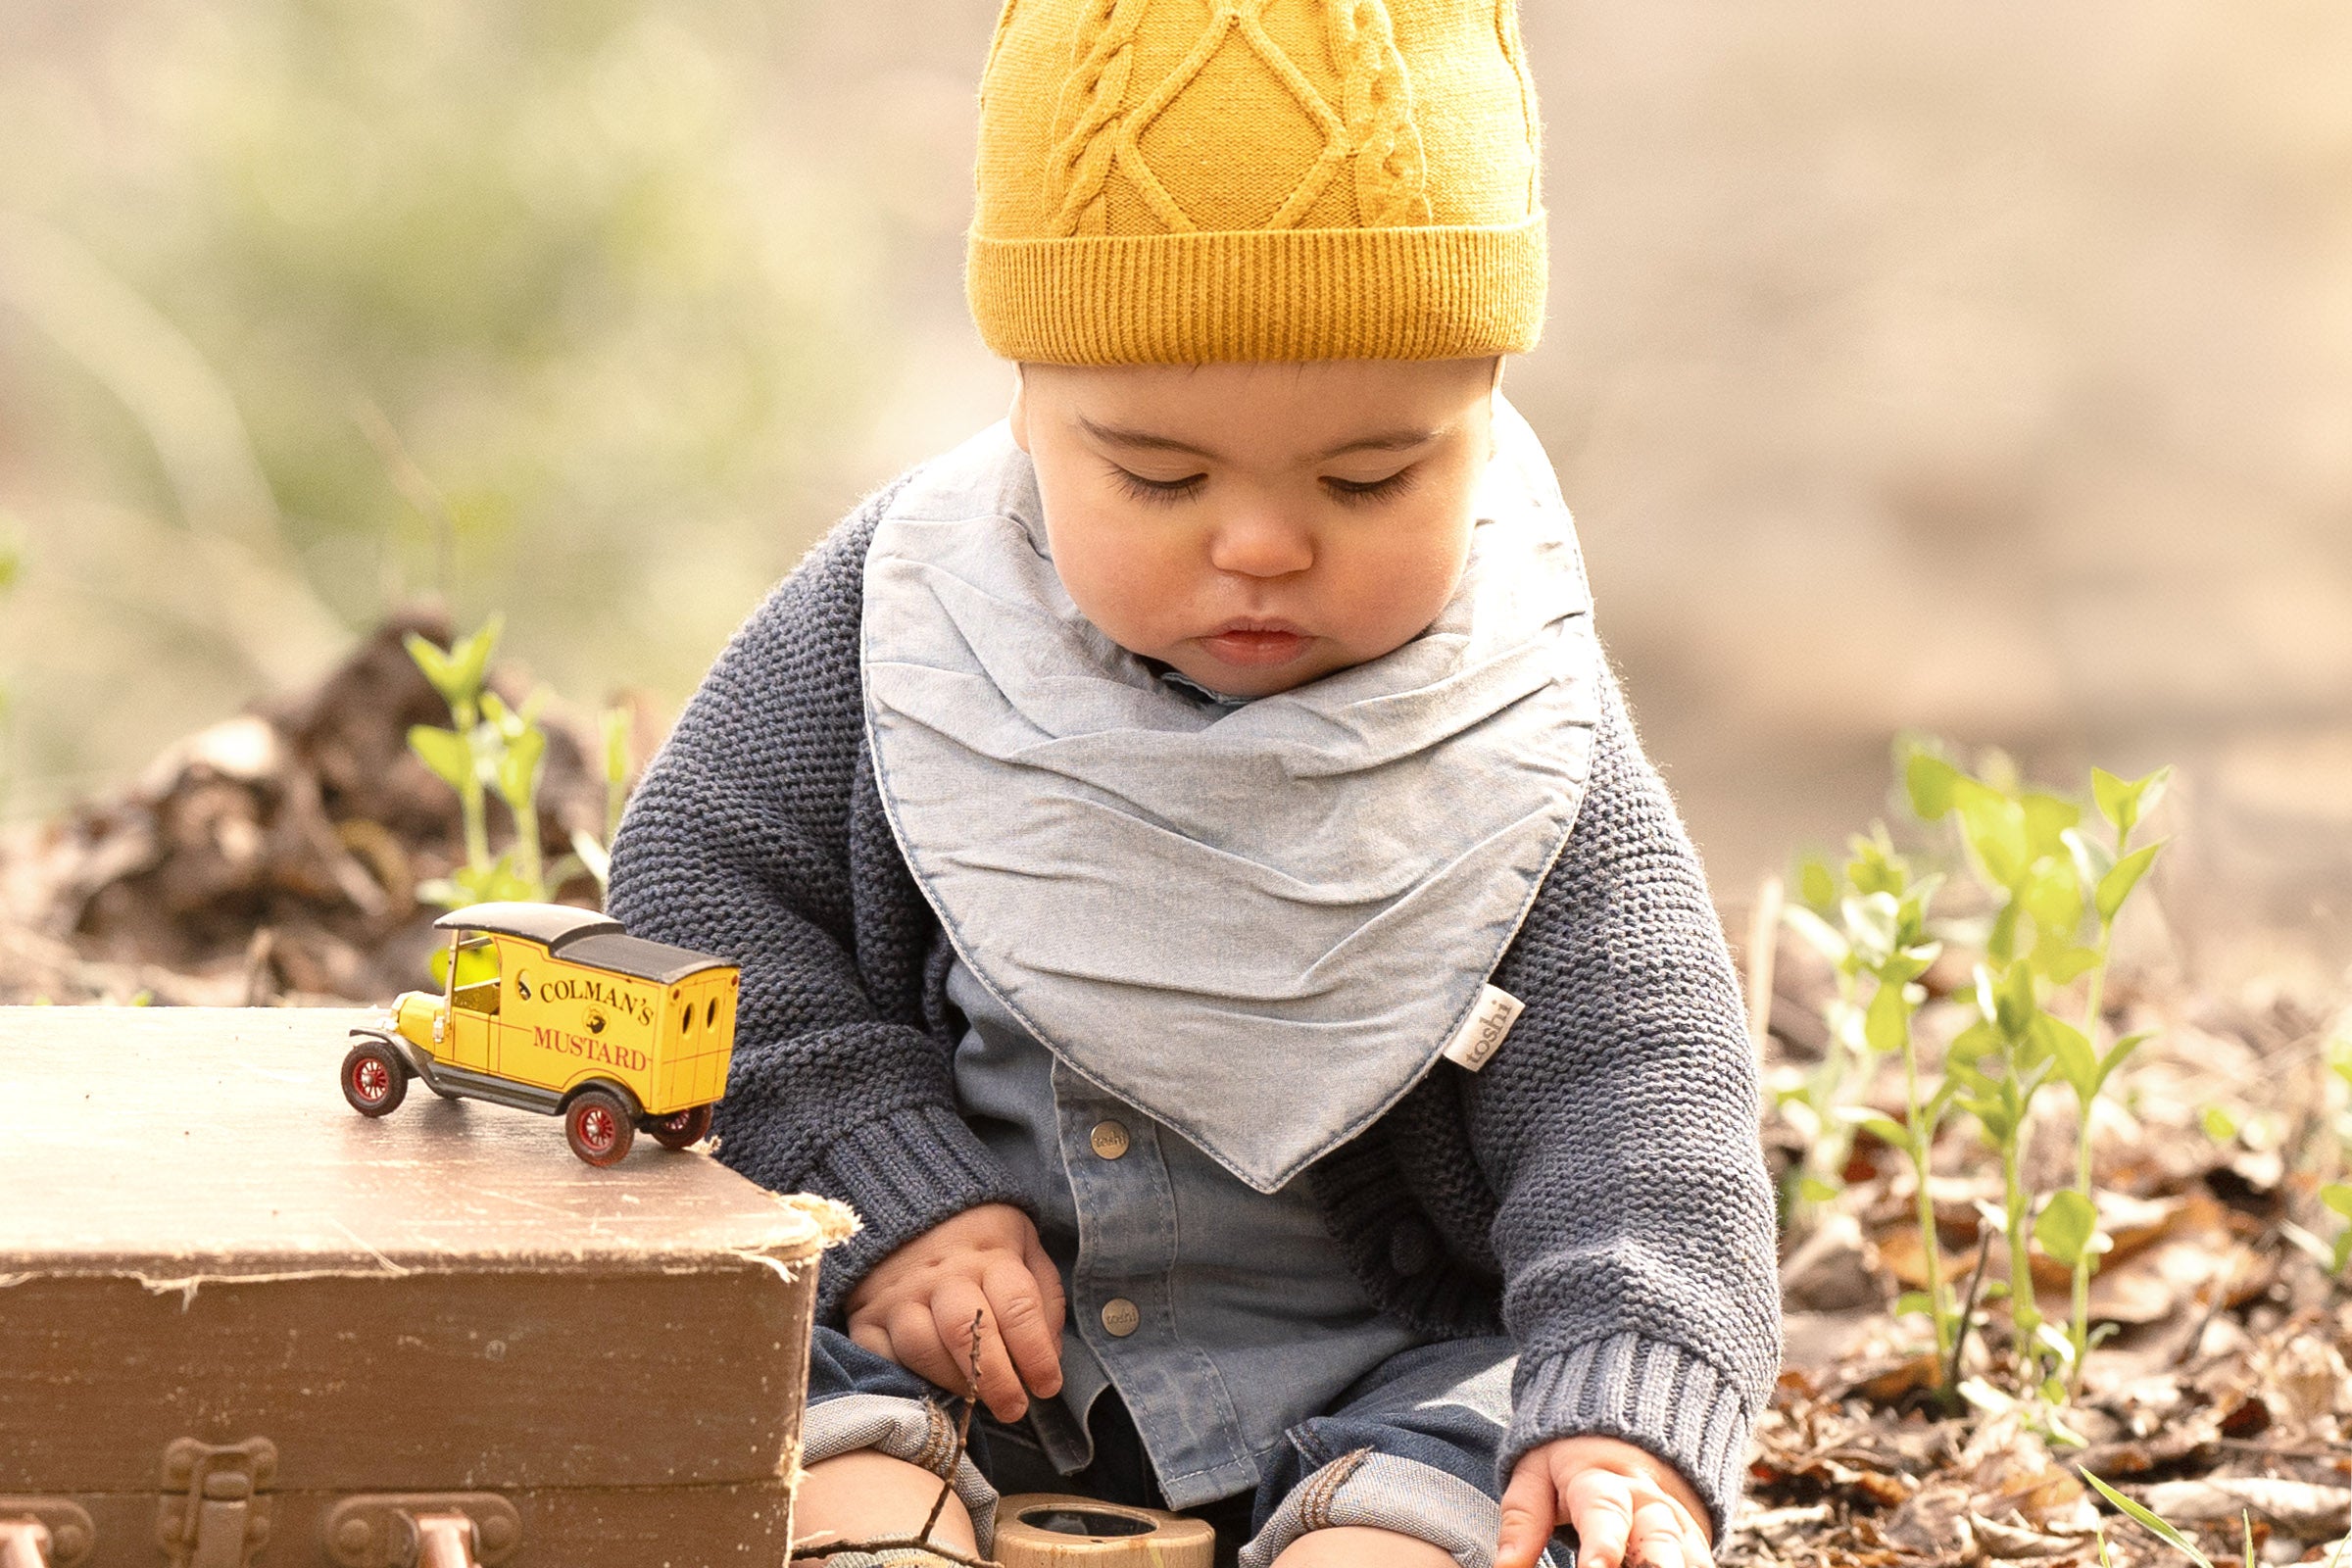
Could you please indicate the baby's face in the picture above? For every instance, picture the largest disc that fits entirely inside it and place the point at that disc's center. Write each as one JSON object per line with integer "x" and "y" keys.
{"x": 1259, "y": 525}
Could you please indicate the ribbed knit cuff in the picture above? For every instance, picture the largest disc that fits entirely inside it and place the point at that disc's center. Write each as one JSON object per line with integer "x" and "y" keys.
{"x": 1435, "y": 292}
{"x": 903, "y": 1173}
{"x": 1644, "y": 1391}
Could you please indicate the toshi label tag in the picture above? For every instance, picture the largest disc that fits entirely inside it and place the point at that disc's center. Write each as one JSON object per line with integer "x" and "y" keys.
{"x": 1481, "y": 1035}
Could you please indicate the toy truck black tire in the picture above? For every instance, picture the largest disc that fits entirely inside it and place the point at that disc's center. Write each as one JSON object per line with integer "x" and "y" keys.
{"x": 680, "y": 1129}
{"x": 599, "y": 1125}
{"x": 374, "y": 1078}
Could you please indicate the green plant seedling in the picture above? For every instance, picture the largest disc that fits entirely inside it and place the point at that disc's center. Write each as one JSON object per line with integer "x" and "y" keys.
{"x": 2156, "y": 1525}
{"x": 2337, "y": 1196}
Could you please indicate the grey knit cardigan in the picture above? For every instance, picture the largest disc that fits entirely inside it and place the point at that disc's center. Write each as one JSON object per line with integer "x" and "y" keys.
{"x": 1598, "y": 1187}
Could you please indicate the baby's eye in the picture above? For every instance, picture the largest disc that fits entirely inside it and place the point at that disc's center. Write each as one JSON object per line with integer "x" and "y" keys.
{"x": 1156, "y": 492}
{"x": 1354, "y": 492}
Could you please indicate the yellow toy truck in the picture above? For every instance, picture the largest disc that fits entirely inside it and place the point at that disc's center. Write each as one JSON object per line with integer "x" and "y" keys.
{"x": 556, "y": 1009}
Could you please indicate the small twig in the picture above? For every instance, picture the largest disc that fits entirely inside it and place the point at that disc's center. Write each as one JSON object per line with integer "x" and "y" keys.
{"x": 1968, "y": 1306}
{"x": 964, "y": 1432}
{"x": 922, "y": 1539}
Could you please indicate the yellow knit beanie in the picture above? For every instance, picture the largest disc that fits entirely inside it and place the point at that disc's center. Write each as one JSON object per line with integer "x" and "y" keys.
{"x": 1176, "y": 181}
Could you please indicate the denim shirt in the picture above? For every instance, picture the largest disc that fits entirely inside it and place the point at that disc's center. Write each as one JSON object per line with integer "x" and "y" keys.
{"x": 1223, "y": 1316}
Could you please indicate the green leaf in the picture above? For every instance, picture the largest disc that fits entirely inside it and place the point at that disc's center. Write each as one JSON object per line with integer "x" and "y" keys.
{"x": 2219, "y": 1124}
{"x": 1929, "y": 779}
{"x": 2077, "y": 1063}
{"x": 1995, "y": 826}
{"x": 2048, "y": 819}
{"x": 1884, "y": 1128}
{"x": 2000, "y": 940}
{"x": 1870, "y": 922}
{"x": 2162, "y": 1531}
{"x": 1919, "y": 1301}
{"x": 1886, "y": 1026}
{"x": 2120, "y": 1049}
{"x": 2116, "y": 885}
{"x": 2066, "y": 1227}
{"x": 2338, "y": 1196}
{"x": 2122, "y": 803}
{"x": 2065, "y": 962}
{"x": 432, "y": 661}
{"x": 2015, "y": 1005}
{"x": 470, "y": 659}
{"x": 444, "y": 751}
{"x": 1815, "y": 1190}
{"x": 2052, "y": 895}
{"x": 518, "y": 769}
{"x": 1820, "y": 936}
{"x": 2091, "y": 859}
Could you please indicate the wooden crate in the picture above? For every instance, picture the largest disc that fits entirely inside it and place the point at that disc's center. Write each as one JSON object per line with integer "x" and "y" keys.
{"x": 231, "y": 1307}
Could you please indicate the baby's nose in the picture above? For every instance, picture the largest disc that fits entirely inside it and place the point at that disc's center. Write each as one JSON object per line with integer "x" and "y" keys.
{"x": 1260, "y": 543}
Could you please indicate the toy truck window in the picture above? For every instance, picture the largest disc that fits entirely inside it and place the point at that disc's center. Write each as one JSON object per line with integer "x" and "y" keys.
{"x": 711, "y": 1014}
{"x": 686, "y": 1016}
{"x": 475, "y": 995}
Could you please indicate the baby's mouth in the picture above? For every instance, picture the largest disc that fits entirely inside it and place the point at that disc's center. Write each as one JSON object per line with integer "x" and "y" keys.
{"x": 1256, "y": 644}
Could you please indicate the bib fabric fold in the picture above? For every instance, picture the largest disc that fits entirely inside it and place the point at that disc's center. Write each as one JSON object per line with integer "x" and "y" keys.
{"x": 1259, "y": 924}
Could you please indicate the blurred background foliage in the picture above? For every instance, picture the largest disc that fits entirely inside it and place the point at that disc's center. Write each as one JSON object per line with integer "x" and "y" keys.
{"x": 1984, "y": 370}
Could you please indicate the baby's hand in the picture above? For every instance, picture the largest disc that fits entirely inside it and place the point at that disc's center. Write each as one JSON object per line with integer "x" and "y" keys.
{"x": 917, "y": 1305}
{"x": 1627, "y": 1504}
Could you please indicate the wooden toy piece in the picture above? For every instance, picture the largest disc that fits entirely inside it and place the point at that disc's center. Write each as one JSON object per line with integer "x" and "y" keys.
{"x": 1045, "y": 1530}
{"x": 556, "y": 1009}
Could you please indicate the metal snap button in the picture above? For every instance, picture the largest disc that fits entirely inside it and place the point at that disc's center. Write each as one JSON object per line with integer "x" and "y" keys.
{"x": 1109, "y": 1140}
{"x": 1122, "y": 1317}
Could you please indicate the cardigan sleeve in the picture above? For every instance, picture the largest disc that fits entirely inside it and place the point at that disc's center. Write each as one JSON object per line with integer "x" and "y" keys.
{"x": 1634, "y": 1231}
{"x": 743, "y": 839}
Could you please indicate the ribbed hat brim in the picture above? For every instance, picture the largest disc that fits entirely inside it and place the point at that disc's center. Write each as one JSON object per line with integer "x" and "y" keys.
{"x": 1428, "y": 293}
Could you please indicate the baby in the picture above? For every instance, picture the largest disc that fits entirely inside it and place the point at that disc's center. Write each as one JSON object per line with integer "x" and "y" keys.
{"x": 1199, "y": 894}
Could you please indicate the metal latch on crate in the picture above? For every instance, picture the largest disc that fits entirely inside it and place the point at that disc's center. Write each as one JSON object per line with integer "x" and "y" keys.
{"x": 215, "y": 1507}
{"x": 43, "y": 1533}
{"x": 423, "y": 1530}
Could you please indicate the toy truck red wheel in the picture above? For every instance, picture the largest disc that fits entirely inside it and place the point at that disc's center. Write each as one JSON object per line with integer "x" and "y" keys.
{"x": 374, "y": 1078}
{"x": 680, "y": 1129}
{"x": 597, "y": 1127}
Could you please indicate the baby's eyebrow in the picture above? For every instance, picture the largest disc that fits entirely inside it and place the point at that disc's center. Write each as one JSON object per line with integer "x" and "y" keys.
{"x": 1144, "y": 440}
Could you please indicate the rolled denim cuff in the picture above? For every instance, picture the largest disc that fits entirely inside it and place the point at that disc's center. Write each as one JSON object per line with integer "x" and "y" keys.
{"x": 913, "y": 1430}
{"x": 1652, "y": 1394}
{"x": 1384, "y": 1491}
{"x": 903, "y": 1174}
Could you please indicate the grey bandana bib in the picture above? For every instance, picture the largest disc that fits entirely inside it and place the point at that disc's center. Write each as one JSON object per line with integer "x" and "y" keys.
{"x": 1257, "y": 924}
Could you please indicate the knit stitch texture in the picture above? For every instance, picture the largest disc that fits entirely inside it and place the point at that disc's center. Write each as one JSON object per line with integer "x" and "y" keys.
{"x": 1598, "y": 1187}
{"x": 1256, "y": 179}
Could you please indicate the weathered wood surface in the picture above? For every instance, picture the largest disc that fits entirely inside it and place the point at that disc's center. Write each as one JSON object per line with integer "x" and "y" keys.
{"x": 194, "y": 1143}
{"x": 198, "y": 1238}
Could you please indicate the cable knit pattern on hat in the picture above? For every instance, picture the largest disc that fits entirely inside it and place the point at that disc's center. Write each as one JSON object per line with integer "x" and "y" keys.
{"x": 1231, "y": 179}
{"x": 1597, "y": 1187}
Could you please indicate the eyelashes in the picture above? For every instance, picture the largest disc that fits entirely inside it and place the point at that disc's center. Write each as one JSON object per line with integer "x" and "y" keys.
{"x": 1347, "y": 492}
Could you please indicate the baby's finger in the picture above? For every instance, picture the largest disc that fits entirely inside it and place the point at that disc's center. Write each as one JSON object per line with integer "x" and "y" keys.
{"x": 1049, "y": 1283}
{"x": 956, "y": 1306}
{"x": 1601, "y": 1504}
{"x": 868, "y": 1334}
{"x": 1656, "y": 1536}
{"x": 1531, "y": 1508}
{"x": 916, "y": 1345}
{"x": 1034, "y": 1343}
